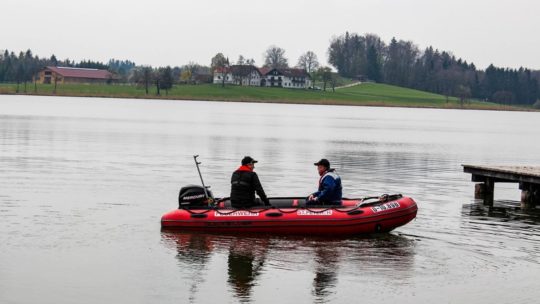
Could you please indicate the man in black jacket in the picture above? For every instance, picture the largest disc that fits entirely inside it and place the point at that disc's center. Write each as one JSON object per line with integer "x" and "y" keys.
{"x": 244, "y": 184}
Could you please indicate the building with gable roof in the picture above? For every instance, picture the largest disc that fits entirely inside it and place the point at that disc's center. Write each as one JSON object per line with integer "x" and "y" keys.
{"x": 287, "y": 78}
{"x": 246, "y": 75}
{"x": 62, "y": 75}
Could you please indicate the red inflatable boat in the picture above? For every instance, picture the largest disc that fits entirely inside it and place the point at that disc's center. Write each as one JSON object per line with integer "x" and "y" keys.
{"x": 292, "y": 216}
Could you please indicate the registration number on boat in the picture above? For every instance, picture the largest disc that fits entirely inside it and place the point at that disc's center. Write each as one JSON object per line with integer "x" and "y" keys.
{"x": 238, "y": 213}
{"x": 384, "y": 207}
{"x": 308, "y": 212}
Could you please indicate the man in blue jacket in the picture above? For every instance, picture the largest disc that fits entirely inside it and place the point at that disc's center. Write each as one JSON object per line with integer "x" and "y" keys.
{"x": 329, "y": 186}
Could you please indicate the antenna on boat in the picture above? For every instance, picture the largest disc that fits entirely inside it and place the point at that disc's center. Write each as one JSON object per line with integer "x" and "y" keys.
{"x": 197, "y": 163}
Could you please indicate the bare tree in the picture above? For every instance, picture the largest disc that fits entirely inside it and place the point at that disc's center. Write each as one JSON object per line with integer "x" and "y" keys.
{"x": 241, "y": 60}
{"x": 220, "y": 62}
{"x": 192, "y": 68}
{"x": 217, "y": 61}
{"x": 463, "y": 93}
{"x": 449, "y": 83}
{"x": 333, "y": 81}
{"x": 325, "y": 74}
{"x": 225, "y": 66}
{"x": 147, "y": 74}
{"x": 163, "y": 79}
{"x": 274, "y": 57}
{"x": 142, "y": 76}
{"x": 245, "y": 61}
{"x": 308, "y": 61}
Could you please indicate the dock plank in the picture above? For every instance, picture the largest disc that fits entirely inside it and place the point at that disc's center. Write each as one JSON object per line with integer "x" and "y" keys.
{"x": 520, "y": 170}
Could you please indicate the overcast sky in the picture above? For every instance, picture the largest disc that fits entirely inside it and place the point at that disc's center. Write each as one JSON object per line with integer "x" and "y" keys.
{"x": 174, "y": 32}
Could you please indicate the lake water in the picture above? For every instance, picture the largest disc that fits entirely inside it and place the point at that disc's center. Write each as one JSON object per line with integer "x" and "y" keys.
{"x": 84, "y": 182}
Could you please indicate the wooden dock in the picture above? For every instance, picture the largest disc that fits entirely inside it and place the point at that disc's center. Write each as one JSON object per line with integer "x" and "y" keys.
{"x": 528, "y": 178}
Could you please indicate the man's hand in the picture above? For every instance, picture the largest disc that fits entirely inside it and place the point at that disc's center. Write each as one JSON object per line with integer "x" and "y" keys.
{"x": 312, "y": 198}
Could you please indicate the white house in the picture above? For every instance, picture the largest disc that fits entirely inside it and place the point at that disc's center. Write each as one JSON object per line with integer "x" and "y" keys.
{"x": 287, "y": 78}
{"x": 249, "y": 75}
{"x": 246, "y": 75}
{"x": 220, "y": 73}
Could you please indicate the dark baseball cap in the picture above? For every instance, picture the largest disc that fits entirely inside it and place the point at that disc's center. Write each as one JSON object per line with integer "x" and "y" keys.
{"x": 323, "y": 162}
{"x": 248, "y": 160}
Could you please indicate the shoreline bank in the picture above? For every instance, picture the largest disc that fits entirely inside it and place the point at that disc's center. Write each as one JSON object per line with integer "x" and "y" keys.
{"x": 382, "y": 97}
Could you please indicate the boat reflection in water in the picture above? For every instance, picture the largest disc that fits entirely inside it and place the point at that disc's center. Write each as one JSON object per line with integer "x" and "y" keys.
{"x": 253, "y": 260}
{"x": 193, "y": 255}
{"x": 327, "y": 263}
{"x": 245, "y": 262}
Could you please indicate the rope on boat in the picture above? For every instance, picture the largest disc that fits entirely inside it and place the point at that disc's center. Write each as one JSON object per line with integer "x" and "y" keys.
{"x": 381, "y": 199}
{"x": 191, "y": 212}
{"x": 241, "y": 209}
{"x": 286, "y": 212}
{"x": 263, "y": 210}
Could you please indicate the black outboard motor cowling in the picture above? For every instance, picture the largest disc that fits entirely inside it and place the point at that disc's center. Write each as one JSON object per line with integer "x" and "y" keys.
{"x": 193, "y": 196}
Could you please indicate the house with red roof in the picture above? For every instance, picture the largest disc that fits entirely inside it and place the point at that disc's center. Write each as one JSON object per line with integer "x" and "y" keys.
{"x": 240, "y": 74}
{"x": 61, "y": 75}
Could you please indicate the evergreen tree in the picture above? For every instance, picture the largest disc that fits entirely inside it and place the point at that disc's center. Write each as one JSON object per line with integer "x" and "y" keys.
{"x": 391, "y": 67}
{"x": 53, "y": 60}
{"x": 373, "y": 65}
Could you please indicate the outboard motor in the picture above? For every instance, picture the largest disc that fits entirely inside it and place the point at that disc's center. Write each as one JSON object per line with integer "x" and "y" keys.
{"x": 192, "y": 196}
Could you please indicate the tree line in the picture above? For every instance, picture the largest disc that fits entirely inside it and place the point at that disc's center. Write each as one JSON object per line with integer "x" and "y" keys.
{"x": 402, "y": 63}
{"x": 22, "y": 67}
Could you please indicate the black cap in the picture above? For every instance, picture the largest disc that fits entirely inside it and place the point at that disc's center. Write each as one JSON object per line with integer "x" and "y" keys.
{"x": 248, "y": 160}
{"x": 323, "y": 162}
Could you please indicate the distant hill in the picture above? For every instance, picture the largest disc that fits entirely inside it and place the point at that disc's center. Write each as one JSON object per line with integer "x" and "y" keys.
{"x": 394, "y": 94}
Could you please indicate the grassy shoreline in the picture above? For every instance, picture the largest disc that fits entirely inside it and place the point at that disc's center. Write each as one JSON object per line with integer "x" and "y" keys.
{"x": 368, "y": 94}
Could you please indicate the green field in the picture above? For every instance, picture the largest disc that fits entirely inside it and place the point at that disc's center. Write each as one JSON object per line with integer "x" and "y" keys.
{"x": 371, "y": 94}
{"x": 340, "y": 81}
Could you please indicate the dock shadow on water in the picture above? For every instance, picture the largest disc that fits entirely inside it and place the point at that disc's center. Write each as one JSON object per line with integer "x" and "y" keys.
{"x": 255, "y": 260}
{"x": 502, "y": 213}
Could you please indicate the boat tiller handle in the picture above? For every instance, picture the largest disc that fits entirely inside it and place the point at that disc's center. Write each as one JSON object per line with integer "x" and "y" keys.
{"x": 197, "y": 163}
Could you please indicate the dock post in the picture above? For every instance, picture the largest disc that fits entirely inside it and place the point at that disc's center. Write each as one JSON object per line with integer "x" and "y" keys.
{"x": 479, "y": 190}
{"x": 485, "y": 191}
{"x": 530, "y": 195}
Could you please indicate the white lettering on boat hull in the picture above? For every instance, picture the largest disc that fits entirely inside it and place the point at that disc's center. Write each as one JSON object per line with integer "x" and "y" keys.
{"x": 308, "y": 212}
{"x": 237, "y": 213}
